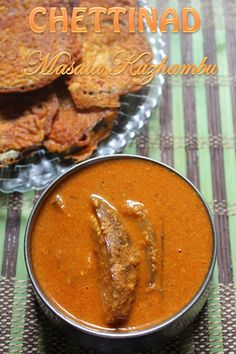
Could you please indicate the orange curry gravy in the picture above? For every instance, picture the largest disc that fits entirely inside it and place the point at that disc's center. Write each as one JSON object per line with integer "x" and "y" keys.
{"x": 64, "y": 253}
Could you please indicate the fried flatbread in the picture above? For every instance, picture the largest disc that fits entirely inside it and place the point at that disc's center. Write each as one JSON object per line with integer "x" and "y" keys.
{"x": 75, "y": 129}
{"x": 18, "y": 42}
{"x": 104, "y": 90}
{"x": 96, "y": 136}
{"x": 25, "y": 120}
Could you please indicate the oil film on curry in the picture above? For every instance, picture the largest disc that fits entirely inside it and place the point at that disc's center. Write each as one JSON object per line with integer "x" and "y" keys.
{"x": 125, "y": 220}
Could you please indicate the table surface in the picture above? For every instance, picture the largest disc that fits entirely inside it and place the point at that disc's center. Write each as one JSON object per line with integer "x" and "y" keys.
{"x": 192, "y": 130}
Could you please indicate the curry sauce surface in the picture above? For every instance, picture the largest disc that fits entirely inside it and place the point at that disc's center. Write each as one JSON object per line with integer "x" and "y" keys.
{"x": 64, "y": 254}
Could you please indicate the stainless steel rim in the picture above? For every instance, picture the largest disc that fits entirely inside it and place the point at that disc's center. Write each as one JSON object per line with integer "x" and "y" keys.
{"x": 86, "y": 329}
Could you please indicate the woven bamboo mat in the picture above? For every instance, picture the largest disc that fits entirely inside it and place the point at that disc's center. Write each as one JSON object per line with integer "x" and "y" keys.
{"x": 193, "y": 130}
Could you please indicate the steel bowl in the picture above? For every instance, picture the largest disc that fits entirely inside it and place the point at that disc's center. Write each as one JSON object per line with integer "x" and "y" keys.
{"x": 111, "y": 342}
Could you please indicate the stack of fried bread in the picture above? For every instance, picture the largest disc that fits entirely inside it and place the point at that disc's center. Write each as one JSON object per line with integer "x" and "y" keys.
{"x": 67, "y": 114}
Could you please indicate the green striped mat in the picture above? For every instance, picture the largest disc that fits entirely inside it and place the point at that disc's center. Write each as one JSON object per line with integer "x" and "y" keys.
{"x": 193, "y": 130}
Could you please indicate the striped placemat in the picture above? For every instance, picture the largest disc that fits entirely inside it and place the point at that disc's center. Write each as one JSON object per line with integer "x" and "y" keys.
{"x": 193, "y": 130}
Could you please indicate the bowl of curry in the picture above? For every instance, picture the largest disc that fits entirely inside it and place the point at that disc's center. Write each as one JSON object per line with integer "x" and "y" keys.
{"x": 120, "y": 251}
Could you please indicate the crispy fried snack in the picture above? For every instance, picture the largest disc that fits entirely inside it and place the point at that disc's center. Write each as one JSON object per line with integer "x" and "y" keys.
{"x": 75, "y": 129}
{"x": 18, "y": 41}
{"x": 104, "y": 90}
{"x": 25, "y": 119}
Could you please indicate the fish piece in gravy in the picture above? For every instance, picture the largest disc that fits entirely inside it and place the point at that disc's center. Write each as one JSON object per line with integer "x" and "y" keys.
{"x": 141, "y": 213}
{"x": 118, "y": 261}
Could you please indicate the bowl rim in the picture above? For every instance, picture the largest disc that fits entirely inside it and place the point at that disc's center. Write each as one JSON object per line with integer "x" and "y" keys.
{"x": 81, "y": 326}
